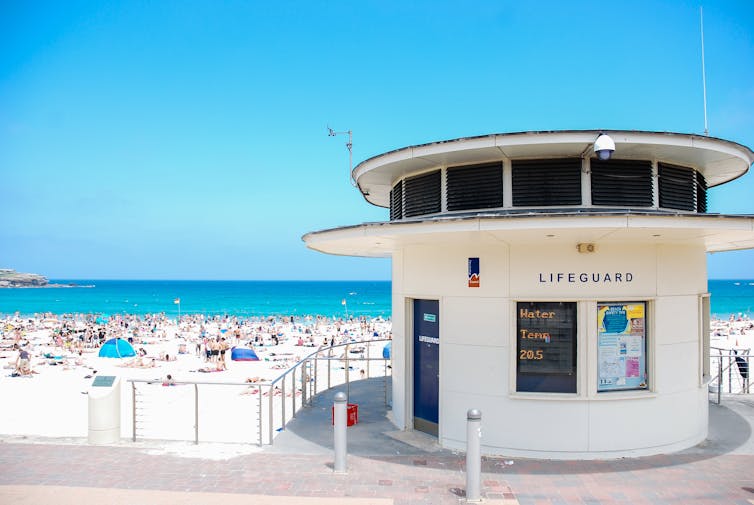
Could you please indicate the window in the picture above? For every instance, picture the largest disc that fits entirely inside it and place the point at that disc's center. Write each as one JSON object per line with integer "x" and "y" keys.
{"x": 546, "y": 349}
{"x": 622, "y": 346}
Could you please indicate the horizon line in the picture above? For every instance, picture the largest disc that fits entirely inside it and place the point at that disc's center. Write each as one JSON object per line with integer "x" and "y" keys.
{"x": 287, "y": 280}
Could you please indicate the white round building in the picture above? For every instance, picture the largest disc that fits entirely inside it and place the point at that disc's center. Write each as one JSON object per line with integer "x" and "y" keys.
{"x": 557, "y": 286}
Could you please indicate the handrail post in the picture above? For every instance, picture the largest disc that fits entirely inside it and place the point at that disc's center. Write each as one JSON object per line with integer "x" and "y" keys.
{"x": 196, "y": 414}
{"x": 133, "y": 401}
{"x": 719, "y": 377}
{"x": 329, "y": 367}
{"x": 293, "y": 393}
{"x": 304, "y": 383}
{"x": 730, "y": 372}
{"x": 369, "y": 363}
{"x": 269, "y": 428}
{"x": 259, "y": 416}
{"x": 348, "y": 379}
{"x": 384, "y": 362}
{"x": 316, "y": 369}
{"x": 282, "y": 401}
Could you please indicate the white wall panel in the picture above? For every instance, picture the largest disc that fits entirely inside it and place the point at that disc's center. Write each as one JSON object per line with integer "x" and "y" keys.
{"x": 476, "y": 321}
{"x": 474, "y": 369}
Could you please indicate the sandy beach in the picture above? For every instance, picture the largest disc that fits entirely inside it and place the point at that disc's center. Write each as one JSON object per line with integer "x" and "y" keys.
{"x": 52, "y": 400}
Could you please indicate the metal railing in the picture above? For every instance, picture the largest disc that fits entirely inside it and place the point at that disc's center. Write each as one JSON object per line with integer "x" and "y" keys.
{"x": 732, "y": 371}
{"x": 276, "y": 400}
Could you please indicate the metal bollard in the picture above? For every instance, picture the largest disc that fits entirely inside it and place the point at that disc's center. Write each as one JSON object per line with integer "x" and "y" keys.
{"x": 339, "y": 431}
{"x": 473, "y": 455}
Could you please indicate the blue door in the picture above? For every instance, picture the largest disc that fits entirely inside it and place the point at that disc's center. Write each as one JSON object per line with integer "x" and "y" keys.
{"x": 426, "y": 365}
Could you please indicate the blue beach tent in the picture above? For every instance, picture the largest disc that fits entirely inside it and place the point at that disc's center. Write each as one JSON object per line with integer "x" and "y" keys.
{"x": 243, "y": 354}
{"x": 386, "y": 350}
{"x": 116, "y": 348}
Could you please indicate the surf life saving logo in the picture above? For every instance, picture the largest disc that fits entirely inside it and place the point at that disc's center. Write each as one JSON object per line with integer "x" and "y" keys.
{"x": 473, "y": 272}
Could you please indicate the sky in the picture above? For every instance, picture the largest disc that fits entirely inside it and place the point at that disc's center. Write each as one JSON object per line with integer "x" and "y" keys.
{"x": 188, "y": 139}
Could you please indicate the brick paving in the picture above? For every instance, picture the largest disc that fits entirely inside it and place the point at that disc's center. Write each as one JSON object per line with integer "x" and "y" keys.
{"x": 674, "y": 479}
{"x": 720, "y": 471}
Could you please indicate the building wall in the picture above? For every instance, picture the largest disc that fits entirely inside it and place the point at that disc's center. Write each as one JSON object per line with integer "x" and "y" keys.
{"x": 478, "y": 346}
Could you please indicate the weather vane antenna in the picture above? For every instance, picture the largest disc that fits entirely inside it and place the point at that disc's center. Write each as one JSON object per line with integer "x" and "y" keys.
{"x": 349, "y": 145}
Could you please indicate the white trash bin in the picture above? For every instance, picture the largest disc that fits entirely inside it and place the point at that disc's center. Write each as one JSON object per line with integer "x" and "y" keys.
{"x": 104, "y": 410}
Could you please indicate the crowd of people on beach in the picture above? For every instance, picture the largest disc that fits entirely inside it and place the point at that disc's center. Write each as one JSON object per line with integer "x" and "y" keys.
{"x": 28, "y": 343}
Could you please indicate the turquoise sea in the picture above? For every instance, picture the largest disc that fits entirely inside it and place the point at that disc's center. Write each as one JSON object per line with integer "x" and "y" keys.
{"x": 261, "y": 298}
{"x": 239, "y": 298}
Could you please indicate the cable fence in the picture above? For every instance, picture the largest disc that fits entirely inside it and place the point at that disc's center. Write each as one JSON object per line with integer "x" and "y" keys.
{"x": 730, "y": 370}
{"x": 255, "y": 410}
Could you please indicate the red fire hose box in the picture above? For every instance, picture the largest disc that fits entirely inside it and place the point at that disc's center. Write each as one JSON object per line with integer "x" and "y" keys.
{"x": 352, "y": 414}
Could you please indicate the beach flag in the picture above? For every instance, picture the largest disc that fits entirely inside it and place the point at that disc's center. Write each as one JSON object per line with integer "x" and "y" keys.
{"x": 177, "y": 301}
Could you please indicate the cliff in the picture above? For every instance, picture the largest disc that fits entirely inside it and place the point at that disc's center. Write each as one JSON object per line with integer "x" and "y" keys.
{"x": 12, "y": 279}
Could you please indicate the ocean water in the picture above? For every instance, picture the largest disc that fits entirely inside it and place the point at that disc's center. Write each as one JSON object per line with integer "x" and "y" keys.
{"x": 734, "y": 296}
{"x": 240, "y": 298}
{"x": 263, "y": 298}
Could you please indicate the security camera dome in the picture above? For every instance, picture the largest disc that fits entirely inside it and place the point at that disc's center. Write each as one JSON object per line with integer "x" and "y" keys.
{"x": 604, "y": 147}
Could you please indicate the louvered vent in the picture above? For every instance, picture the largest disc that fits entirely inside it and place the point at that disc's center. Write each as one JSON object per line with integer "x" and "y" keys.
{"x": 622, "y": 183}
{"x": 701, "y": 194}
{"x": 422, "y": 194}
{"x": 677, "y": 187}
{"x": 475, "y": 187}
{"x": 546, "y": 182}
{"x": 396, "y": 202}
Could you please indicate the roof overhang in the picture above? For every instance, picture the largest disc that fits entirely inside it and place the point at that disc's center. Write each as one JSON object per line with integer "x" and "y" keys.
{"x": 714, "y": 232}
{"x": 718, "y": 160}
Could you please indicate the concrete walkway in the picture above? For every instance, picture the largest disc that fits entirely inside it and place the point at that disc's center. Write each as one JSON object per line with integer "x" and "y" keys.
{"x": 384, "y": 467}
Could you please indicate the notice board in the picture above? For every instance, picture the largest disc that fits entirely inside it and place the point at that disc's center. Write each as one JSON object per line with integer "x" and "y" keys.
{"x": 622, "y": 346}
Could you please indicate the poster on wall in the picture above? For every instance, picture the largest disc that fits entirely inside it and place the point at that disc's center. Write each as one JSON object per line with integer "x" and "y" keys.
{"x": 622, "y": 346}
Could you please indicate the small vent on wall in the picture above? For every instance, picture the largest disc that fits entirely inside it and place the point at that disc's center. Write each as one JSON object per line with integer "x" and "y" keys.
{"x": 475, "y": 187}
{"x": 622, "y": 183}
{"x": 422, "y": 194}
{"x": 546, "y": 182}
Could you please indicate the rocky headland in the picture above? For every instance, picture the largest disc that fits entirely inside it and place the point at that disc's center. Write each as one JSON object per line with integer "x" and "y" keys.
{"x": 12, "y": 279}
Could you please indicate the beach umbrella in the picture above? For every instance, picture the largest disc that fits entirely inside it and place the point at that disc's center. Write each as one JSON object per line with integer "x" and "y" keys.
{"x": 116, "y": 348}
{"x": 243, "y": 354}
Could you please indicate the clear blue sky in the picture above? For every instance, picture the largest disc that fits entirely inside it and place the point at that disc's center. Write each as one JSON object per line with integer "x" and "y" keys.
{"x": 187, "y": 139}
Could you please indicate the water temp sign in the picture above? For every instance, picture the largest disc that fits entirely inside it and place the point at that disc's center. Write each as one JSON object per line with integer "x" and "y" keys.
{"x": 546, "y": 348}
